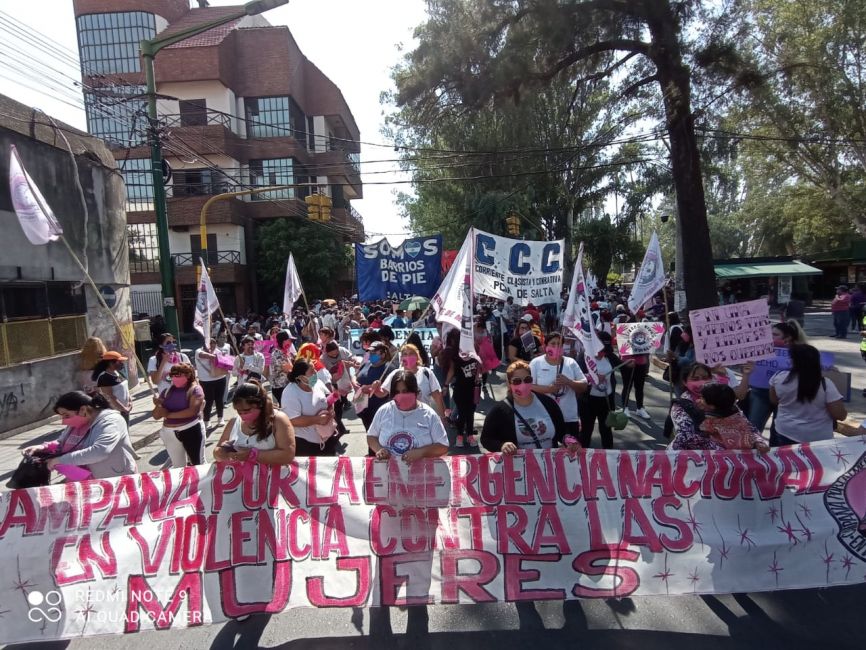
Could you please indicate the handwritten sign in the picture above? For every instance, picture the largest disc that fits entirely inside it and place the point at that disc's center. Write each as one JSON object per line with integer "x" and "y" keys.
{"x": 639, "y": 338}
{"x": 198, "y": 545}
{"x": 766, "y": 368}
{"x": 732, "y": 334}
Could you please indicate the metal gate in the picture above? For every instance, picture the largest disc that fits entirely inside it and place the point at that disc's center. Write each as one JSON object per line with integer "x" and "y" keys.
{"x": 146, "y": 302}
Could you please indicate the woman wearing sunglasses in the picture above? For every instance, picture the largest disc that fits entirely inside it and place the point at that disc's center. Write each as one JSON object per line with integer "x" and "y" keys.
{"x": 525, "y": 420}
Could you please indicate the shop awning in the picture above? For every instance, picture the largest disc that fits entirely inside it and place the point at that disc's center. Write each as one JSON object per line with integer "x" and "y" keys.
{"x": 764, "y": 270}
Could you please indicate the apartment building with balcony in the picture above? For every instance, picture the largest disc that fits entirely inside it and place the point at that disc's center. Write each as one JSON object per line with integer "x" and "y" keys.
{"x": 239, "y": 107}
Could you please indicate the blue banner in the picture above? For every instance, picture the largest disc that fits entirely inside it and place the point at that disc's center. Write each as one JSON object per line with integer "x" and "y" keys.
{"x": 411, "y": 269}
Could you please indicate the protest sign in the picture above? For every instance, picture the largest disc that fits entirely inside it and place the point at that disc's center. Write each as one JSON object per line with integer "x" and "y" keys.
{"x": 396, "y": 273}
{"x": 639, "y": 338}
{"x": 732, "y": 334}
{"x": 528, "y": 271}
{"x": 198, "y": 545}
{"x": 766, "y": 368}
{"x": 400, "y": 336}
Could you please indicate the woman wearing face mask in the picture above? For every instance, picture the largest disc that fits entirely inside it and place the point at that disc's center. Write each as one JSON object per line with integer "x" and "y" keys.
{"x": 95, "y": 442}
{"x": 524, "y": 419}
{"x": 249, "y": 364}
{"x": 305, "y": 401}
{"x": 179, "y": 407}
{"x": 113, "y": 384}
{"x": 167, "y": 355}
{"x": 311, "y": 353}
{"x": 406, "y": 426}
{"x": 259, "y": 434}
{"x": 338, "y": 361}
{"x": 213, "y": 381}
{"x": 785, "y": 335}
{"x": 465, "y": 373}
{"x": 687, "y": 413}
{"x": 595, "y": 406}
{"x": 370, "y": 373}
{"x": 428, "y": 385}
{"x": 281, "y": 363}
{"x": 517, "y": 349}
{"x": 559, "y": 377}
{"x": 808, "y": 403}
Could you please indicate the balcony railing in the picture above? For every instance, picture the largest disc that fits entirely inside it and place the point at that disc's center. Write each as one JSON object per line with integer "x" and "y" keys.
{"x": 213, "y": 258}
{"x": 199, "y": 118}
{"x": 354, "y": 214}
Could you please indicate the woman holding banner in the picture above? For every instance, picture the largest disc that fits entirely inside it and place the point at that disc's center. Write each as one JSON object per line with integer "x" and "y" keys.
{"x": 524, "y": 419}
{"x": 525, "y": 345}
{"x": 259, "y": 434}
{"x": 785, "y": 335}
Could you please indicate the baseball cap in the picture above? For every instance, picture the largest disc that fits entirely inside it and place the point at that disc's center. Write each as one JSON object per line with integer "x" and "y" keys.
{"x": 113, "y": 356}
{"x": 526, "y": 318}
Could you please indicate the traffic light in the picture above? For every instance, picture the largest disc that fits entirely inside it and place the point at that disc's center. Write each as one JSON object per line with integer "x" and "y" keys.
{"x": 512, "y": 224}
{"x": 318, "y": 207}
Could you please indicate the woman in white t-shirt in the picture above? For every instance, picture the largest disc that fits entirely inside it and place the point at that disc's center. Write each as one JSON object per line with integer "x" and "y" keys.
{"x": 807, "y": 403}
{"x": 308, "y": 403}
{"x": 428, "y": 385}
{"x": 561, "y": 378}
{"x": 159, "y": 365}
{"x": 405, "y": 426}
{"x": 259, "y": 434}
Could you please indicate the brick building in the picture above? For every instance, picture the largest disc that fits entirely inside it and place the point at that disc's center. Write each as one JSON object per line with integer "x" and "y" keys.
{"x": 239, "y": 107}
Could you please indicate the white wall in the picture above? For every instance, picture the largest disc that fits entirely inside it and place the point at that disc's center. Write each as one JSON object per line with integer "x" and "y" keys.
{"x": 217, "y": 97}
{"x": 320, "y": 128}
{"x": 229, "y": 238}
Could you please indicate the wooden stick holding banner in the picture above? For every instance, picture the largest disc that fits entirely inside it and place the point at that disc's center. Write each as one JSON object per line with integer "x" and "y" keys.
{"x": 668, "y": 326}
{"x": 129, "y": 344}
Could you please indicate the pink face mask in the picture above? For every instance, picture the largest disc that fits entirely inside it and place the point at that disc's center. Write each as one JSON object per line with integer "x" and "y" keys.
{"x": 405, "y": 401}
{"x": 722, "y": 379}
{"x": 179, "y": 382}
{"x": 685, "y": 337}
{"x": 251, "y": 415}
{"x": 410, "y": 362}
{"x": 521, "y": 390}
{"x": 74, "y": 421}
{"x": 694, "y": 386}
{"x": 553, "y": 352}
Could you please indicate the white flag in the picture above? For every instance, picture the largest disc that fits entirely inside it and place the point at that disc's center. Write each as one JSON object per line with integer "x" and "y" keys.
{"x": 37, "y": 220}
{"x": 578, "y": 318}
{"x": 452, "y": 302}
{"x": 293, "y": 289}
{"x": 447, "y": 302}
{"x": 651, "y": 277}
{"x": 206, "y": 304}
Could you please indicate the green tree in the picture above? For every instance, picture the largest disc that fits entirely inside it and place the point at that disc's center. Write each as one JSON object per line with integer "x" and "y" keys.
{"x": 473, "y": 51}
{"x": 608, "y": 245}
{"x": 320, "y": 256}
{"x": 544, "y": 158}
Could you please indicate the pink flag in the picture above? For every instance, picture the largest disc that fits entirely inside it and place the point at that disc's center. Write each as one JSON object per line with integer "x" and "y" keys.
{"x": 36, "y": 218}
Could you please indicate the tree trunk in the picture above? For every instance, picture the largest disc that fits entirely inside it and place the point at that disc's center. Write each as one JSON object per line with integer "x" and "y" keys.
{"x": 694, "y": 232}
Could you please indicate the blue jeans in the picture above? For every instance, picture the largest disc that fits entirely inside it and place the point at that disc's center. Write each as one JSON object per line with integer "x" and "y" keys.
{"x": 841, "y": 320}
{"x": 760, "y": 408}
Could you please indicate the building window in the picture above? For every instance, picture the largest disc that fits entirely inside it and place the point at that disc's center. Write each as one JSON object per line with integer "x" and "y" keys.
{"x": 270, "y": 117}
{"x": 274, "y": 171}
{"x": 117, "y": 114}
{"x": 193, "y": 112}
{"x": 143, "y": 247}
{"x": 139, "y": 184}
{"x": 108, "y": 43}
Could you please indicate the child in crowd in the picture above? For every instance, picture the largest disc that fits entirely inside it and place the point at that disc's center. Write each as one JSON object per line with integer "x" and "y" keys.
{"x": 724, "y": 422}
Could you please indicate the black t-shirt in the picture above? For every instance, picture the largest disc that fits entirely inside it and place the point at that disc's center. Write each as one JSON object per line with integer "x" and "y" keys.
{"x": 465, "y": 371}
{"x": 523, "y": 353}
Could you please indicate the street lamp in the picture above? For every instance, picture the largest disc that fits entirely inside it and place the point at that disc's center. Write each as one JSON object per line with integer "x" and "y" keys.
{"x": 149, "y": 49}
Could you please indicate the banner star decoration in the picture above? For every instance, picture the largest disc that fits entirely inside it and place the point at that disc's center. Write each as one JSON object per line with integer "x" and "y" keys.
{"x": 847, "y": 564}
{"x": 665, "y": 575}
{"x": 841, "y": 457}
{"x": 695, "y": 578}
{"x": 772, "y": 513}
{"x": 775, "y": 568}
{"x": 745, "y": 540}
{"x": 827, "y": 559}
{"x": 807, "y": 533}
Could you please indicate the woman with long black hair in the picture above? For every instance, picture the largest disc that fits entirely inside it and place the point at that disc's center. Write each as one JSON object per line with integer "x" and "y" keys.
{"x": 167, "y": 354}
{"x": 259, "y": 433}
{"x": 807, "y": 403}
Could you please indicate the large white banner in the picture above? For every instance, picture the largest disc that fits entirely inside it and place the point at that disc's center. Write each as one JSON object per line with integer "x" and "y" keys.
{"x": 528, "y": 271}
{"x": 192, "y": 546}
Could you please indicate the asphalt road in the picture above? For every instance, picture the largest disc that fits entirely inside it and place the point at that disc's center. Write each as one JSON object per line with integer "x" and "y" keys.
{"x": 815, "y": 618}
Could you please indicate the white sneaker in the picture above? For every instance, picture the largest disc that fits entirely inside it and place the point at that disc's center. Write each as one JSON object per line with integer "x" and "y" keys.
{"x": 643, "y": 413}
{"x": 221, "y": 423}
{"x": 627, "y": 412}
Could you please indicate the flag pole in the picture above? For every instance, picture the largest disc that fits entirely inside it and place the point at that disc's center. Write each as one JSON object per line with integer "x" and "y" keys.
{"x": 130, "y": 345}
{"x": 668, "y": 325}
